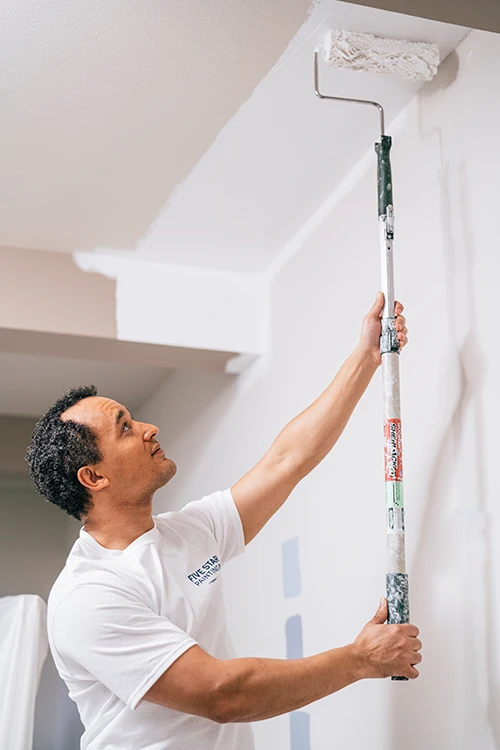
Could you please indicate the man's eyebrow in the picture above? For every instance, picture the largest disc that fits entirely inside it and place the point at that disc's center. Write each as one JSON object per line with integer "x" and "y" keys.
{"x": 119, "y": 416}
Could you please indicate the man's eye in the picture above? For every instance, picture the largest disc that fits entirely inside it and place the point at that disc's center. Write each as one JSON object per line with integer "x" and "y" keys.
{"x": 127, "y": 424}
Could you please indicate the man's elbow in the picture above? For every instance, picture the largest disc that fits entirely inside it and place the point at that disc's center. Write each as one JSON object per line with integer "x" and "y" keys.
{"x": 229, "y": 704}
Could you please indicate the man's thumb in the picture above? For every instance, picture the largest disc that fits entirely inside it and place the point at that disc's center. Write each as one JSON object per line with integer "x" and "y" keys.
{"x": 377, "y": 306}
{"x": 380, "y": 615}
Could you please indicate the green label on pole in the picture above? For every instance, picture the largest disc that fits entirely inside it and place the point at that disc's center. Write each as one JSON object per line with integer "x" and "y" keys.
{"x": 394, "y": 494}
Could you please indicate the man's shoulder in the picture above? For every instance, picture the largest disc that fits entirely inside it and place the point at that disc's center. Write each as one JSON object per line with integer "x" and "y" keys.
{"x": 79, "y": 580}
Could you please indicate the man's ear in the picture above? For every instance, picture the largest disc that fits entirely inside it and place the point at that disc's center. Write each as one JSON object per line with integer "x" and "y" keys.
{"x": 91, "y": 479}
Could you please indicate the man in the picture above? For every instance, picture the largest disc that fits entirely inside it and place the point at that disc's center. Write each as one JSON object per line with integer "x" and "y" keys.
{"x": 136, "y": 618}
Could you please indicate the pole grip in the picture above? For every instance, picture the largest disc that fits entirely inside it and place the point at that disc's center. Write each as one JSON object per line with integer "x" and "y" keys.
{"x": 384, "y": 174}
{"x": 397, "y": 601}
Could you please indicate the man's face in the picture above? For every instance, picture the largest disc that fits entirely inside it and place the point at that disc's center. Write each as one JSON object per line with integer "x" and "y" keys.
{"x": 132, "y": 472}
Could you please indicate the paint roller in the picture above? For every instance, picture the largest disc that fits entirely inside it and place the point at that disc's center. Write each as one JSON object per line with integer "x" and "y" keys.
{"x": 415, "y": 61}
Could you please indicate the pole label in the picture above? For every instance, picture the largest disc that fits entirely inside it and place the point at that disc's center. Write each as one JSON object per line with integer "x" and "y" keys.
{"x": 393, "y": 450}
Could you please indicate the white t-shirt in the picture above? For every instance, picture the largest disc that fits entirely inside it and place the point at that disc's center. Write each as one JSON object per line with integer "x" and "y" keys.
{"x": 117, "y": 619}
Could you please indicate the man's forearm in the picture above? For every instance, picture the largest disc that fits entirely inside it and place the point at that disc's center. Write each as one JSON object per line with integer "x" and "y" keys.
{"x": 308, "y": 438}
{"x": 254, "y": 689}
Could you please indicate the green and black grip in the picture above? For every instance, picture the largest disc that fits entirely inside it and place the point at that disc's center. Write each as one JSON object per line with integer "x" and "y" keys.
{"x": 397, "y": 601}
{"x": 384, "y": 174}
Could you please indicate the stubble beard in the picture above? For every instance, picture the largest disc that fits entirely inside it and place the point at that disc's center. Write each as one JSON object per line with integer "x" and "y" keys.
{"x": 169, "y": 471}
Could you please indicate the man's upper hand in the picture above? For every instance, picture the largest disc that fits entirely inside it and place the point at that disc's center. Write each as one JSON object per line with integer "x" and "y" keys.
{"x": 371, "y": 329}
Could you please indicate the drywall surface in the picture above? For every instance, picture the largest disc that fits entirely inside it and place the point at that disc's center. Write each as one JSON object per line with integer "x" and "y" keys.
{"x": 446, "y": 173}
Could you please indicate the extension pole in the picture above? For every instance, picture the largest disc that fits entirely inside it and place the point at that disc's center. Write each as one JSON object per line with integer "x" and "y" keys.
{"x": 396, "y": 578}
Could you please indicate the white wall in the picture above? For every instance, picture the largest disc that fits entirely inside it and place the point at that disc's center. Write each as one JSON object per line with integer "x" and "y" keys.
{"x": 446, "y": 164}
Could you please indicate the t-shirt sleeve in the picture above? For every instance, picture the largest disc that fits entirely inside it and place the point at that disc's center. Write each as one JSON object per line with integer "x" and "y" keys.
{"x": 116, "y": 638}
{"x": 218, "y": 512}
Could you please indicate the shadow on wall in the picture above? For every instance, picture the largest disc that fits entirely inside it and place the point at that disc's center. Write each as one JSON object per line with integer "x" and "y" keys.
{"x": 450, "y": 577}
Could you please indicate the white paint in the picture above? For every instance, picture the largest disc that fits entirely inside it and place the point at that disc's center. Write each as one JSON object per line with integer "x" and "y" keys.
{"x": 107, "y": 106}
{"x": 113, "y": 108}
{"x": 277, "y": 159}
{"x": 446, "y": 167}
{"x": 180, "y": 306}
{"x": 415, "y": 61}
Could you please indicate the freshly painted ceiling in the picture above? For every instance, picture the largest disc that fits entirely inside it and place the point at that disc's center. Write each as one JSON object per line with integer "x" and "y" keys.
{"x": 107, "y": 106}
{"x": 151, "y": 128}
{"x": 181, "y": 132}
{"x": 285, "y": 151}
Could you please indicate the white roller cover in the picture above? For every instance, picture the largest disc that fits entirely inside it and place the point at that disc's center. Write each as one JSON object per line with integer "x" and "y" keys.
{"x": 23, "y": 649}
{"x": 415, "y": 61}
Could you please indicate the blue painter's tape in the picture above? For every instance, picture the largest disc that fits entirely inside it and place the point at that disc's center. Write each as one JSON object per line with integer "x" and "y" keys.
{"x": 300, "y": 731}
{"x": 291, "y": 567}
{"x": 293, "y": 628}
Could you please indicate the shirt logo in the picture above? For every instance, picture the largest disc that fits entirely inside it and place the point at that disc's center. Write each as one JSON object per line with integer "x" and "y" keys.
{"x": 207, "y": 570}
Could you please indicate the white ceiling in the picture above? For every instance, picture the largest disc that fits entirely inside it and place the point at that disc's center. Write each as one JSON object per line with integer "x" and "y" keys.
{"x": 108, "y": 106}
{"x": 285, "y": 151}
{"x": 150, "y": 128}
{"x": 30, "y": 384}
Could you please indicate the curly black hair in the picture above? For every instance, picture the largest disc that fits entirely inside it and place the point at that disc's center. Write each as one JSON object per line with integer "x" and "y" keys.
{"x": 58, "y": 449}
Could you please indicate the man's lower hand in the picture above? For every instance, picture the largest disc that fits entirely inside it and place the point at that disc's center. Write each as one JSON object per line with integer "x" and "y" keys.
{"x": 387, "y": 650}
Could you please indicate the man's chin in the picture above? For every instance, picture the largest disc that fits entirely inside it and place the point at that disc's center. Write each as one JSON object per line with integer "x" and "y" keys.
{"x": 169, "y": 471}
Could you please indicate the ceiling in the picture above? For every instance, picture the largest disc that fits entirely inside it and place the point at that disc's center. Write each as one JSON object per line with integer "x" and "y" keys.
{"x": 186, "y": 133}
{"x": 285, "y": 151}
{"x": 151, "y": 128}
{"x": 481, "y": 14}
{"x": 30, "y": 384}
{"x": 107, "y": 106}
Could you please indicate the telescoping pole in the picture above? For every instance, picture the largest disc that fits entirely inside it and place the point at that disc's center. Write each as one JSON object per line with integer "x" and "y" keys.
{"x": 396, "y": 578}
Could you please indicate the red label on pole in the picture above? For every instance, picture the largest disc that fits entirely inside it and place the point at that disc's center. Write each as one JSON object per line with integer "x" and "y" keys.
{"x": 393, "y": 451}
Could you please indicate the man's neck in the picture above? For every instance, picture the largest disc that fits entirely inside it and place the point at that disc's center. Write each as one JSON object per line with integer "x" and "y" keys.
{"x": 118, "y": 528}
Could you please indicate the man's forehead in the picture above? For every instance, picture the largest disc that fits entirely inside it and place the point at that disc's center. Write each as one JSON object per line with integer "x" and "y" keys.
{"x": 95, "y": 410}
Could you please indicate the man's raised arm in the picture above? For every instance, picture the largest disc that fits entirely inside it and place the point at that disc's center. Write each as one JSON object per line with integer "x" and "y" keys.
{"x": 308, "y": 438}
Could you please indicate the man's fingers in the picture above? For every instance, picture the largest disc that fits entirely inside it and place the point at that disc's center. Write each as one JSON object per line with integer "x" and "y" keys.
{"x": 410, "y": 630}
{"x": 412, "y": 673}
{"x": 417, "y": 645}
{"x": 378, "y": 305}
{"x": 416, "y": 658}
{"x": 400, "y": 322}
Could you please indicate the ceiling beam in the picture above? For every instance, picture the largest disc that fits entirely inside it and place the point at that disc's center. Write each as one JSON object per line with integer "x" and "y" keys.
{"x": 126, "y": 310}
{"x": 480, "y": 14}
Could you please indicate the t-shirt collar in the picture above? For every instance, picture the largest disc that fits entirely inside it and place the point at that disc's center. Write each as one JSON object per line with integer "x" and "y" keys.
{"x": 148, "y": 537}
